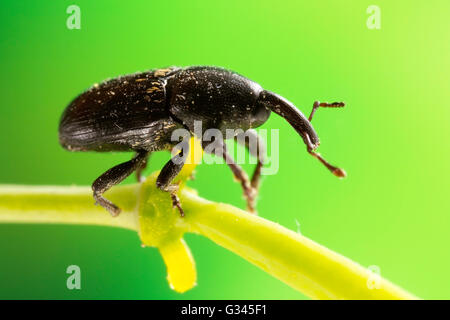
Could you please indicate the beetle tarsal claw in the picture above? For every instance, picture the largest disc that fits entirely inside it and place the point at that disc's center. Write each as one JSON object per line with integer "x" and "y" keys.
{"x": 176, "y": 203}
{"x": 173, "y": 189}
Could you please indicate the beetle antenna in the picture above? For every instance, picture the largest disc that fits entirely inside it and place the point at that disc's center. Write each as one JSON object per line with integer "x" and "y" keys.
{"x": 298, "y": 121}
{"x": 338, "y": 172}
{"x": 318, "y": 104}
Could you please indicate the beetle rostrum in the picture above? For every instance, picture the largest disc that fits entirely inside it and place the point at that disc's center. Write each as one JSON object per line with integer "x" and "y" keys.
{"x": 138, "y": 112}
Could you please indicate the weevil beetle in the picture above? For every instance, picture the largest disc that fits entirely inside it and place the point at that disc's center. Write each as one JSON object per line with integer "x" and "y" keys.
{"x": 138, "y": 112}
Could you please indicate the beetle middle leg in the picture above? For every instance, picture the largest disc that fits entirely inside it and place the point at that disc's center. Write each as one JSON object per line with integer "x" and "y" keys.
{"x": 114, "y": 176}
{"x": 141, "y": 168}
{"x": 168, "y": 173}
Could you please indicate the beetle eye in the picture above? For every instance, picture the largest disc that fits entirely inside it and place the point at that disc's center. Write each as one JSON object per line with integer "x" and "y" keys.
{"x": 260, "y": 115}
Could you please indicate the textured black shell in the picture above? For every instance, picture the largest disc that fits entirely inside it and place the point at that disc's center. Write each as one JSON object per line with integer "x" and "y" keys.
{"x": 125, "y": 113}
{"x": 217, "y": 97}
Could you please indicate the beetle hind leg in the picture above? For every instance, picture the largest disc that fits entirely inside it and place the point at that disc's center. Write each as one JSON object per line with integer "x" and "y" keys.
{"x": 114, "y": 176}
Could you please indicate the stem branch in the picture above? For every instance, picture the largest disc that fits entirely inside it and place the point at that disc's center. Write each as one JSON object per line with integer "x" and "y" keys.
{"x": 292, "y": 258}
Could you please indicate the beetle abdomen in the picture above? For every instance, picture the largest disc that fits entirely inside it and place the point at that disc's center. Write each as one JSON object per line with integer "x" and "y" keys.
{"x": 120, "y": 114}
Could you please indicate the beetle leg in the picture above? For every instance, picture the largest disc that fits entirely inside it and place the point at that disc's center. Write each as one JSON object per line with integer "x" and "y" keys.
{"x": 141, "y": 168}
{"x": 240, "y": 175}
{"x": 114, "y": 176}
{"x": 318, "y": 104}
{"x": 251, "y": 143}
{"x": 168, "y": 173}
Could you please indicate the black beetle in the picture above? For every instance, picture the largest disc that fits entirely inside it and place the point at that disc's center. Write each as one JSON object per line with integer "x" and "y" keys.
{"x": 138, "y": 112}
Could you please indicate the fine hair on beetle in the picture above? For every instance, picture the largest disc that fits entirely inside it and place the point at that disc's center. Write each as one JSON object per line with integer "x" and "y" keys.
{"x": 152, "y": 111}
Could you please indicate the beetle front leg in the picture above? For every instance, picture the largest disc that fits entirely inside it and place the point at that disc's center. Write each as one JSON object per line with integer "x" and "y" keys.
{"x": 168, "y": 173}
{"x": 239, "y": 174}
{"x": 114, "y": 176}
{"x": 259, "y": 153}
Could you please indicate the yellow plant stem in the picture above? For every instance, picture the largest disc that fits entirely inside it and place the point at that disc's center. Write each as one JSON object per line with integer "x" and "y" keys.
{"x": 66, "y": 205}
{"x": 294, "y": 259}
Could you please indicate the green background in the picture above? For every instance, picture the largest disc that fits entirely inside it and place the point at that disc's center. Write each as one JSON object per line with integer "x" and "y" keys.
{"x": 392, "y": 138}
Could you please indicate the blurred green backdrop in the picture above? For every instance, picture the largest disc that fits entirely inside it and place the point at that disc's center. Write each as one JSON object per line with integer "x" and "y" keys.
{"x": 392, "y": 211}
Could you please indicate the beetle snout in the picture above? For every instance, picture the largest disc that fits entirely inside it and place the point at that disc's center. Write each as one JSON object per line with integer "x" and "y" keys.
{"x": 309, "y": 136}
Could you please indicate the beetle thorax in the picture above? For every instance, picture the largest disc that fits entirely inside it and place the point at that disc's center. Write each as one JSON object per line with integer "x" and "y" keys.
{"x": 218, "y": 98}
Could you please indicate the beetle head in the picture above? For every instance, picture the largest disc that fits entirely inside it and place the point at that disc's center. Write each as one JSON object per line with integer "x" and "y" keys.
{"x": 299, "y": 122}
{"x": 291, "y": 114}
